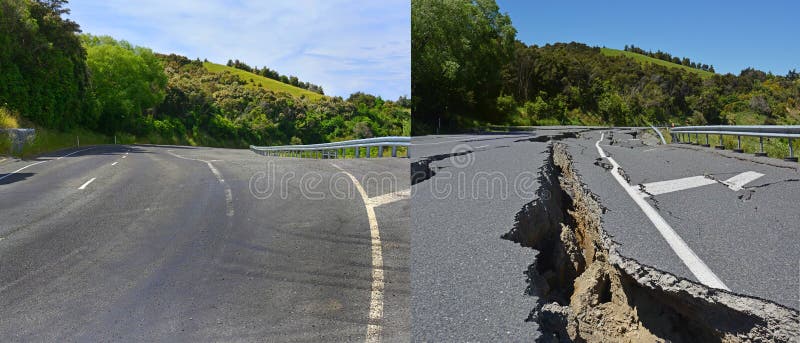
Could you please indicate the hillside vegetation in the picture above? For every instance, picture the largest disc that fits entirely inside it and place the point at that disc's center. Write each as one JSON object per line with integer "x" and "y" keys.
{"x": 66, "y": 84}
{"x": 647, "y": 59}
{"x": 257, "y": 81}
{"x": 469, "y": 70}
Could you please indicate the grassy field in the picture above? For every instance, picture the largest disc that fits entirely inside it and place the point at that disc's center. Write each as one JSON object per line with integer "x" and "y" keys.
{"x": 648, "y": 59}
{"x": 256, "y": 81}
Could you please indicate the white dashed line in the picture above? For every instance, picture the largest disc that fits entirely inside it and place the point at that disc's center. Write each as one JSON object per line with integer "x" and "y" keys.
{"x": 87, "y": 183}
{"x": 678, "y": 245}
{"x": 115, "y": 163}
{"x": 40, "y": 162}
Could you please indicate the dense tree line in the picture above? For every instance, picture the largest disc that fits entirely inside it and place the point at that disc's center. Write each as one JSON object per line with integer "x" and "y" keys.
{"x": 455, "y": 85}
{"x": 458, "y": 49}
{"x": 669, "y": 58}
{"x": 272, "y": 74}
{"x": 43, "y": 71}
{"x": 54, "y": 77}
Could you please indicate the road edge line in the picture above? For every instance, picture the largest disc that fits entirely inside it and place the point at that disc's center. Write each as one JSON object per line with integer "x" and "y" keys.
{"x": 376, "y": 293}
{"x": 696, "y": 265}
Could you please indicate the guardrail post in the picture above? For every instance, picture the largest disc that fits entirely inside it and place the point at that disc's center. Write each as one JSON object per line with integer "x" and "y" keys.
{"x": 791, "y": 157}
{"x": 720, "y": 146}
{"x": 368, "y": 150}
{"x": 380, "y": 150}
{"x": 706, "y": 145}
{"x": 696, "y": 139}
{"x": 739, "y": 145}
{"x": 761, "y": 143}
{"x": 394, "y": 150}
{"x": 358, "y": 152}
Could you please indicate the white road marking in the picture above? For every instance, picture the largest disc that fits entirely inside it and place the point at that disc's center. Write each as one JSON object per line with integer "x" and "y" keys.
{"x": 74, "y": 152}
{"x": 388, "y": 198}
{"x": 87, "y": 183}
{"x": 40, "y": 162}
{"x": 737, "y": 182}
{"x": 115, "y": 163}
{"x": 482, "y": 146}
{"x": 649, "y": 150}
{"x": 1, "y": 160}
{"x": 123, "y": 156}
{"x": 218, "y": 175}
{"x": 684, "y": 252}
{"x": 376, "y": 295}
{"x": 661, "y": 187}
{"x": 20, "y": 169}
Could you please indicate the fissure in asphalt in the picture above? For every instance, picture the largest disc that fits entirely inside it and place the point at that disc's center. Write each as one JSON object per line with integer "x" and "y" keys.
{"x": 587, "y": 291}
{"x": 421, "y": 170}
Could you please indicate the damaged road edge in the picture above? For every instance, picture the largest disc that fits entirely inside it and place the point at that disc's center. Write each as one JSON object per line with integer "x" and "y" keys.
{"x": 587, "y": 291}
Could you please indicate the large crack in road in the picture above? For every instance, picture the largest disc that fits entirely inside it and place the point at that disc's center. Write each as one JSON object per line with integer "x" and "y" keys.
{"x": 587, "y": 291}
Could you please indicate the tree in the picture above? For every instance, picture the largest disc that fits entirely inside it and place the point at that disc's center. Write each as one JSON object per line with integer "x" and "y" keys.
{"x": 127, "y": 81}
{"x": 43, "y": 72}
{"x": 458, "y": 49}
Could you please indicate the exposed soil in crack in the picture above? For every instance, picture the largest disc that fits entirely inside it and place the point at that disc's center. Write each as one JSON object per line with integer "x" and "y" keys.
{"x": 588, "y": 292}
{"x": 421, "y": 170}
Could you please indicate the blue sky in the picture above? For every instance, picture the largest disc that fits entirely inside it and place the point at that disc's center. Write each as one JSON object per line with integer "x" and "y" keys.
{"x": 731, "y": 35}
{"x": 344, "y": 46}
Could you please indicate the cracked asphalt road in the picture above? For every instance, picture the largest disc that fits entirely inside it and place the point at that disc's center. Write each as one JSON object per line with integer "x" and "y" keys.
{"x": 469, "y": 285}
{"x": 749, "y": 238}
{"x": 154, "y": 249}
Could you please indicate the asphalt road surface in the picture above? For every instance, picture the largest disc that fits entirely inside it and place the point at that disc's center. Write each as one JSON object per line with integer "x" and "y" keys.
{"x": 739, "y": 217}
{"x": 168, "y": 243}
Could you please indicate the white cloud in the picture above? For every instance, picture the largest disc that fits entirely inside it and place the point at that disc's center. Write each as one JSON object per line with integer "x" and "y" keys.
{"x": 344, "y": 46}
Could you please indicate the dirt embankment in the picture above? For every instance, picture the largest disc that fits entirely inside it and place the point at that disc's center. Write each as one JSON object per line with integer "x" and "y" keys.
{"x": 589, "y": 292}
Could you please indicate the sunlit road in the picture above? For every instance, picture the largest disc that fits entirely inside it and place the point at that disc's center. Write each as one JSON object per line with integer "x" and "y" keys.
{"x": 737, "y": 213}
{"x": 165, "y": 243}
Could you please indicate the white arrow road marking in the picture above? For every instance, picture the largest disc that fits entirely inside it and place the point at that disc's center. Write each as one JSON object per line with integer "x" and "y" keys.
{"x": 735, "y": 183}
{"x": 684, "y": 252}
{"x": 87, "y": 183}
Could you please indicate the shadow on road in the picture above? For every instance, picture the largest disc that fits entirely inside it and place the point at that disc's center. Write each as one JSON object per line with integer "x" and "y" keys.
{"x": 6, "y": 179}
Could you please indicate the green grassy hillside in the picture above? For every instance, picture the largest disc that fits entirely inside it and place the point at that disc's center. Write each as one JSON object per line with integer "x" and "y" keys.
{"x": 255, "y": 81}
{"x": 648, "y": 59}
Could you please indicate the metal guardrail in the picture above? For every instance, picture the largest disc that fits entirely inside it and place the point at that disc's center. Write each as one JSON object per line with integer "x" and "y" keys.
{"x": 336, "y": 149}
{"x": 683, "y": 134}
